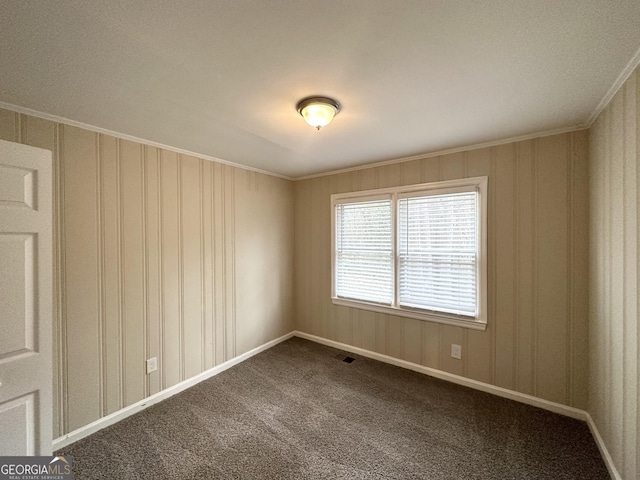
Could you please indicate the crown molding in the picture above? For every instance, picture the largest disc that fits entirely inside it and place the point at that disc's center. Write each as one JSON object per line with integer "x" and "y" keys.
{"x": 439, "y": 153}
{"x": 623, "y": 77}
{"x": 124, "y": 136}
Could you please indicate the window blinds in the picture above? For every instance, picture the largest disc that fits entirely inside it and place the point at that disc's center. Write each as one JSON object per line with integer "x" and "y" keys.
{"x": 438, "y": 253}
{"x": 364, "y": 251}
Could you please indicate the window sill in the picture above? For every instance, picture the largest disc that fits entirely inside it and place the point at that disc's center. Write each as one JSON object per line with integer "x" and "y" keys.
{"x": 428, "y": 317}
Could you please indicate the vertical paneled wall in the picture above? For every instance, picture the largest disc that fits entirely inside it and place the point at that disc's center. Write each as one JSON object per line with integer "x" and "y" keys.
{"x": 157, "y": 255}
{"x": 614, "y": 401}
{"x": 536, "y": 339}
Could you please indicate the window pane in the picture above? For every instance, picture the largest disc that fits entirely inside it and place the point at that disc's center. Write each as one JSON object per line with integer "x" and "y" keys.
{"x": 364, "y": 251}
{"x": 438, "y": 253}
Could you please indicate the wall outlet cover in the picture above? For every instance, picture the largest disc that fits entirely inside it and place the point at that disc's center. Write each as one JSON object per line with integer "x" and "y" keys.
{"x": 152, "y": 364}
{"x": 456, "y": 351}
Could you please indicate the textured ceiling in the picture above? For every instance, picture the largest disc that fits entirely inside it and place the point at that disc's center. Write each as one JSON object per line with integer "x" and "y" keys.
{"x": 221, "y": 78}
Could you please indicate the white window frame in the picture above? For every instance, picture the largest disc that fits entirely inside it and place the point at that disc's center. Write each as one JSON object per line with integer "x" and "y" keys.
{"x": 480, "y": 184}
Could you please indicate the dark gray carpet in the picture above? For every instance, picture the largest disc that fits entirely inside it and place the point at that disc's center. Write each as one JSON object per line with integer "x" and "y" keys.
{"x": 296, "y": 411}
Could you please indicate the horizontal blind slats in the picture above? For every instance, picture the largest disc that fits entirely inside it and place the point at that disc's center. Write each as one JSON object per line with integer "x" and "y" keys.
{"x": 437, "y": 253}
{"x": 364, "y": 251}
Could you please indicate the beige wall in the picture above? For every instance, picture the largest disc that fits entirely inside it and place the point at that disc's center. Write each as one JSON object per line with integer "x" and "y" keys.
{"x": 536, "y": 340}
{"x": 613, "y": 372}
{"x": 157, "y": 255}
{"x": 167, "y": 255}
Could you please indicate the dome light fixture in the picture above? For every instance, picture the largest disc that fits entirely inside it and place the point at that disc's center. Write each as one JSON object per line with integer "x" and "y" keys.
{"x": 318, "y": 111}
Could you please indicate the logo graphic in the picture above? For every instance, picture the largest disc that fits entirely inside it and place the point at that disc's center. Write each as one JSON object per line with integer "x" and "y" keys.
{"x": 36, "y": 468}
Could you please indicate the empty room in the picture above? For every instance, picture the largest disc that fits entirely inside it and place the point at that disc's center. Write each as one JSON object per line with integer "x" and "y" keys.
{"x": 339, "y": 239}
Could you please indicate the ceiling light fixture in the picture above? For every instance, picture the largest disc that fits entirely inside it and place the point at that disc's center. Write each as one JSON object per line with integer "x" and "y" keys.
{"x": 318, "y": 111}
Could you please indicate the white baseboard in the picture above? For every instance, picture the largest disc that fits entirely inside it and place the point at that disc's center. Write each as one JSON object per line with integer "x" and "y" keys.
{"x": 608, "y": 460}
{"x": 115, "y": 417}
{"x": 123, "y": 413}
{"x": 450, "y": 377}
{"x": 484, "y": 387}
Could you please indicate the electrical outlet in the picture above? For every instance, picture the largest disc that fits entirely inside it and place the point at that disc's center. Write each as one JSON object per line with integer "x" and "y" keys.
{"x": 152, "y": 365}
{"x": 456, "y": 351}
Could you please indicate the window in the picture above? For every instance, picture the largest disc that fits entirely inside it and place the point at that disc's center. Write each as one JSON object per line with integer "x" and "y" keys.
{"x": 417, "y": 251}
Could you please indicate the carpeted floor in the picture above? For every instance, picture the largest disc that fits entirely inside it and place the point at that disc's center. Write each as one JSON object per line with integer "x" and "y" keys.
{"x": 296, "y": 411}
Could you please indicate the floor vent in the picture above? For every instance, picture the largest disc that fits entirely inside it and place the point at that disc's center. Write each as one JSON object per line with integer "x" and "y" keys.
{"x": 344, "y": 358}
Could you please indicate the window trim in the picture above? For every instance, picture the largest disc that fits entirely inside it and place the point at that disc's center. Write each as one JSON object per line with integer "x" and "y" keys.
{"x": 394, "y": 193}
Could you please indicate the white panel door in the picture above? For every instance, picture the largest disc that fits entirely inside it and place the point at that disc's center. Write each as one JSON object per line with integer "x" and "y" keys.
{"x": 26, "y": 308}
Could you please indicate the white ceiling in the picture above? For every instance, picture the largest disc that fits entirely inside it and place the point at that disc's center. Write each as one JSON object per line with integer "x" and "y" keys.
{"x": 221, "y": 78}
